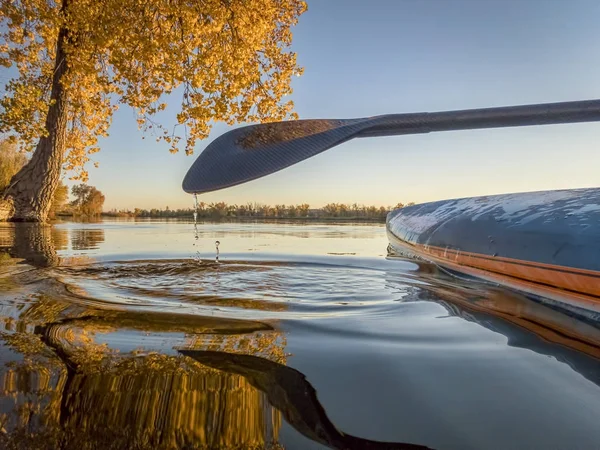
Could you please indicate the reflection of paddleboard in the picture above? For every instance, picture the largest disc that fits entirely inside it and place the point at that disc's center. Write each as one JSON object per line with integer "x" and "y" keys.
{"x": 544, "y": 243}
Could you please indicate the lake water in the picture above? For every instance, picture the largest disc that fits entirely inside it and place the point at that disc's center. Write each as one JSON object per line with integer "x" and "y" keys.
{"x": 125, "y": 334}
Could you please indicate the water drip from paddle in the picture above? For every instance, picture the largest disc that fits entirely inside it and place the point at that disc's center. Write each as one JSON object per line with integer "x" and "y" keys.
{"x": 197, "y": 257}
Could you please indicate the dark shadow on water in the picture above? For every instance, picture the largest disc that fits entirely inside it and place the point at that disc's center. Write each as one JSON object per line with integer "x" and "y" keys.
{"x": 289, "y": 391}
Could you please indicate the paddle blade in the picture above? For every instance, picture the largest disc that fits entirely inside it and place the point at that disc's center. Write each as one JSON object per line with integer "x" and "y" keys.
{"x": 251, "y": 152}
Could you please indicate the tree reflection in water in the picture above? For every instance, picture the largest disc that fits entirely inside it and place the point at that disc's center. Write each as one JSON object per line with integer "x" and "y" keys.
{"x": 33, "y": 243}
{"x": 86, "y": 238}
{"x": 63, "y": 386}
{"x": 289, "y": 391}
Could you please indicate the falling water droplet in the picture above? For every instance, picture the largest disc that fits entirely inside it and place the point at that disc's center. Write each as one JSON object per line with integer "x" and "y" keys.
{"x": 196, "y": 235}
{"x": 195, "y": 208}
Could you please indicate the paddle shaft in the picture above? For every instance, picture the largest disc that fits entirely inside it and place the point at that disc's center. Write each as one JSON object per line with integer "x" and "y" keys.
{"x": 510, "y": 116}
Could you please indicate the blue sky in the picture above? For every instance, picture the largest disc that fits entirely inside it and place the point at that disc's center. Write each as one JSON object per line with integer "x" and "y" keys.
{"x": 365, "y": 58}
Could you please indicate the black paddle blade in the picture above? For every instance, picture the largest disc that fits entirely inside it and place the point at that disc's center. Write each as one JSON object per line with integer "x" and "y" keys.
{"x": 251, "y": 152}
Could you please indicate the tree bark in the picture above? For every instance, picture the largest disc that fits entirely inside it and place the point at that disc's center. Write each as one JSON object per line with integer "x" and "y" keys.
{"x": 31, "y": 190}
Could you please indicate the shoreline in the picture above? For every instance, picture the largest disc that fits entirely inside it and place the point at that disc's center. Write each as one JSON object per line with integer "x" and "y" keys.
{"x": 230, "y": 219}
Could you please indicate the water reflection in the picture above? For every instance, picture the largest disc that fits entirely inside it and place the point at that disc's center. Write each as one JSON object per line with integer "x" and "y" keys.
{"x": 160, "y": 352}
{"x": 60, "y": 239}
{"x": 38, "y": 245}
{"x": 32, "y": 243}
{"x": 86, "y": 238}
{"x": 290, "y": 392}
{"x": 148, "y": 402}
{"x": 525, "y": 322}
{"x": 63, "y": 386}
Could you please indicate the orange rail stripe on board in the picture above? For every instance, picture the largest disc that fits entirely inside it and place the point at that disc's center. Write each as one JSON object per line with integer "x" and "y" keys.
{"x": 569, "y": 278}
{"x": 552, "y": 267}
{"x": 550, "y": 290}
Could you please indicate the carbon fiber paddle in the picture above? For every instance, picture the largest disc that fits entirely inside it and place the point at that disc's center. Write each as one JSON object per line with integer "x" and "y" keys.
{"x": 251, "y": 152}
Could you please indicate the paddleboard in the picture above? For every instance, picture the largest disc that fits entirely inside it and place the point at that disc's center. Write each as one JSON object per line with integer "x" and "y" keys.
{"x": 546, "y": 244}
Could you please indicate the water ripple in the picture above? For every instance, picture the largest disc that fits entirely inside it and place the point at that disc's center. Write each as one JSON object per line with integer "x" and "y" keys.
{"x": 246, "y": 289}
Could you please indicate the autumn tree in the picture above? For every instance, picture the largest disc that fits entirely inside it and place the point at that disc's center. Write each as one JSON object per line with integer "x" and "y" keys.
{"x": 11, "y": 161}
{"x": 59, "y": 200}
{"x": 331, "y": 209}
{"x": 88, "y": 200}
{"x": 303, "y": 210}
{"x": 76, "y": 61}
{"x": 219, "y": 209}
{"x": 280, "y": 210}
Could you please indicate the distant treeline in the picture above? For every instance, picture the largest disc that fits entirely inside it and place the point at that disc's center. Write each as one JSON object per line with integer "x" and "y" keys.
{"x": 222, "y": 210}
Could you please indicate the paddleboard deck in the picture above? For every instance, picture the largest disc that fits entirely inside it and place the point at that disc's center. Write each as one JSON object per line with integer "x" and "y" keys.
{"x": 543, "y": 243}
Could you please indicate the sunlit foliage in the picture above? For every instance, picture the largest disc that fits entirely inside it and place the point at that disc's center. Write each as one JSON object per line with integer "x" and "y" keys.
{"x": 88, "y": 200}
{"x": 223, "y": 61}
{"x": 11, "y": 160}
{"x": 61, "y": 196}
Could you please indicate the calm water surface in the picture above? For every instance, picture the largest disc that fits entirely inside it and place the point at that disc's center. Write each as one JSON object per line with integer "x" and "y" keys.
{"x": 126, "y": 334}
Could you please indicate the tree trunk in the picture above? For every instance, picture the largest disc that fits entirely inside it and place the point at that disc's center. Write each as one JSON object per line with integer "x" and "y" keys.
{"x": 31, "y": 190}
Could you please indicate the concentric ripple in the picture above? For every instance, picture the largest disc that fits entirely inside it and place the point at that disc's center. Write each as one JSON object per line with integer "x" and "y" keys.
{"x": 243, "y": 288}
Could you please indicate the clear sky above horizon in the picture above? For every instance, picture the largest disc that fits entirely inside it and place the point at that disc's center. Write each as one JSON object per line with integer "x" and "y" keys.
{"x": 390, "y": 56}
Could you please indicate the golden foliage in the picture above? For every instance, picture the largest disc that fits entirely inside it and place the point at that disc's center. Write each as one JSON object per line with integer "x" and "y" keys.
{"x": 11, "y": 160}
{"x": 265, "y": 344}
{"x": 61, "y": 195}
{"x": 227, "y": 61}
{"x": 88, "y": 200}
